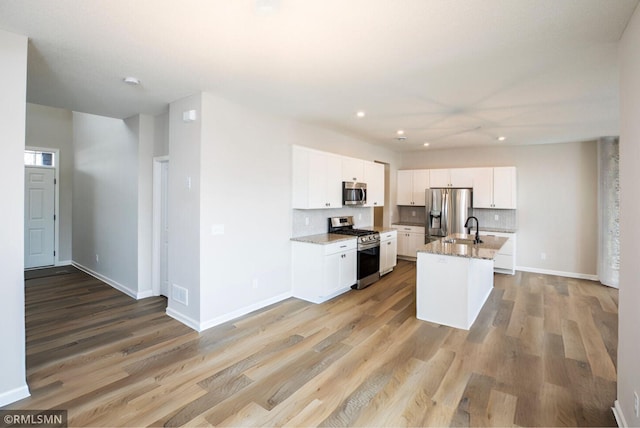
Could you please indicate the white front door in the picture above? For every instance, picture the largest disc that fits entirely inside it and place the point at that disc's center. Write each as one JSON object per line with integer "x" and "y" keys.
{"x": 39, "y": 211}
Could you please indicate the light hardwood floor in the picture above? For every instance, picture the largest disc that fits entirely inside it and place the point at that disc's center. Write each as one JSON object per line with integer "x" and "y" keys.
{"x": 542, "y": 353}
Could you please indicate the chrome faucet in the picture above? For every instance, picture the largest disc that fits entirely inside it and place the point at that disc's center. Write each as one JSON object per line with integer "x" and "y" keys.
{"x": 466, "y": 225}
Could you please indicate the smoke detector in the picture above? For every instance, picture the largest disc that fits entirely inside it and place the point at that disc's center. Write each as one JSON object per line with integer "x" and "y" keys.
{"x": 401, "y": 138}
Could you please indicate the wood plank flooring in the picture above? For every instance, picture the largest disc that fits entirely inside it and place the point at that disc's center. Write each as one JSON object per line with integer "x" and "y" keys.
{"x": 541, "y": 353}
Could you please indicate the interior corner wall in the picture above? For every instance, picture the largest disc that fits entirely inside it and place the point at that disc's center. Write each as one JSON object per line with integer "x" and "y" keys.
{"x": 53, "y": 128}
{"x": 556, "y": 197}
{"x": 13, "y": 87}
{"x": 145, "y": 136}
{"x": 161, "y": 135}
{"x": 629, "y": 298}
{"x": 105, "y": 199}
{"x": 184, "y": 210}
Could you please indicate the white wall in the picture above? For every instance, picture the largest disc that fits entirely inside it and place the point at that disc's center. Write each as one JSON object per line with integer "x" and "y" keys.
{"x": 13, "y": 86}
{"x": 53, "y": 128}
{"x": 145, "y": 135}
{"x": 246, "y": 186}
{"x": 161, "y": 135}
{"x": 629, "y": 299}
{"x": 184, "y": 209}
{"x": 557, "y": 199}
{"x": 105, "y": 199}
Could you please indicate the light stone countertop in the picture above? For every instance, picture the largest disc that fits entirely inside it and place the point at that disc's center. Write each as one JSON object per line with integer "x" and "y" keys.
{"x": 381, "y": 229}
{"x": 486, "y": 250}
{"x": 323, "y": 238}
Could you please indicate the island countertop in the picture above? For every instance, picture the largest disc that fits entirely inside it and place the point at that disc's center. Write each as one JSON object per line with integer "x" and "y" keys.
{"x": 486, "y": 250}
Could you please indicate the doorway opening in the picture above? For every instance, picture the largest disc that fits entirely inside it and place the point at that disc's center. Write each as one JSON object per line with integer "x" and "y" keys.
{"x": 160, "y": 245}
{"x": 41, "y": 200}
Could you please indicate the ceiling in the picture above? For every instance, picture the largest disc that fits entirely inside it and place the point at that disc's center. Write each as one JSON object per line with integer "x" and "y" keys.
{"x": 454, "y": 73}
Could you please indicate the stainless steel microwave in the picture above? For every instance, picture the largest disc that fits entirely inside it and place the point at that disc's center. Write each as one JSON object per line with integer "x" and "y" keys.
{"x": 354, "y": 193}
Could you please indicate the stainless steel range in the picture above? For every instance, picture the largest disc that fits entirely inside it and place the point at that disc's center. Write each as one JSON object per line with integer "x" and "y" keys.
{"x": 368, "y": 249}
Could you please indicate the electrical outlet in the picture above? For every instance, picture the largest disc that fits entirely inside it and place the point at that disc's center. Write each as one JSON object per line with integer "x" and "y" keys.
{"x": 496, "y": 217}
{"x": 97, "y": 258}
{"x": 543, "y": 256}
{"x": 636, "y": 404}
{"x": 413, "y": 213}
{"x": 360, "y": 216}
{"x": 306, "y": 221}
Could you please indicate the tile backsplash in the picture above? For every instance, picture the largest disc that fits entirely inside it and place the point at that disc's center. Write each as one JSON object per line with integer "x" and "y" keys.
{"x": 507, "y": 219}
{"x": 318, "y": 219}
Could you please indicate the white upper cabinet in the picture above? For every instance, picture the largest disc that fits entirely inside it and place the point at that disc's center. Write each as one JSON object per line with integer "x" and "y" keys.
{"x": 504, "y": 187}
{"x": 411, "y": 186}
{"x": 495, "y": 188}
{"x": 317, "y": 179}
{"x": 353, "y": 170}
{"x": 439, "y": 178}
{"x": 374, "y": 177}
{"x": 458, "y": 177}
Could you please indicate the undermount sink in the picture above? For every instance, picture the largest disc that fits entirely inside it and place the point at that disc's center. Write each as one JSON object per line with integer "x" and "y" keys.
{"x": 458, "y": 241}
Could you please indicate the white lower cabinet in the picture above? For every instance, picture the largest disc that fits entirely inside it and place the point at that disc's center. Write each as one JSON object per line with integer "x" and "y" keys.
{"x": 388, "y": 251}
{"x": 505, "y": 260}
{"x": 410, "y": 239}
{"x": 323, "y": 271}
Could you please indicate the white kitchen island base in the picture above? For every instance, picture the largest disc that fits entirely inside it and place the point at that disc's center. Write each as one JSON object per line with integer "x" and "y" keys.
{"x": 451, "y": 290}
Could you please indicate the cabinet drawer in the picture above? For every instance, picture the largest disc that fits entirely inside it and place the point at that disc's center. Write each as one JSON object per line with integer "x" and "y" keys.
{"x": 340, "y": 246}
{"x": 408, "y": 229}
{"x": 387, "y": 236}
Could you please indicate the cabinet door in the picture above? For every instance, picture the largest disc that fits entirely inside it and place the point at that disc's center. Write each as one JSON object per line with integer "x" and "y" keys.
{"x": 333, "y": 186}
{"x": 348, "y": 268}
{"x": 391, "y": 254}
{"x": 332, "y": 274}
{"x": 352, "y": 169}
{"x": 504, "y": 187}
{"x": 483, "y": 188}
{"x": 403, "y": 241}
{"x": 404, "y": 192}
{"x": 461, "y": 177}
{"x": 416, "y": 241}
{"x": 439, "y": 177}
{"x": 420, "y": 185}
{"x": 374, "y": 177}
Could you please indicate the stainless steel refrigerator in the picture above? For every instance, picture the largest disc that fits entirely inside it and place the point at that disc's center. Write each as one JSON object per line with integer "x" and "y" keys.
{"x": 447, "y": 210}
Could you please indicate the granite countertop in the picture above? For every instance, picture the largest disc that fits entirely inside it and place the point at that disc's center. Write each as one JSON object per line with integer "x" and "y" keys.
{"x": 494, "y": 229}
{"x": 486, "y": 250}
{"x": 323, "y": 238}
{"x": 381, "y": 229}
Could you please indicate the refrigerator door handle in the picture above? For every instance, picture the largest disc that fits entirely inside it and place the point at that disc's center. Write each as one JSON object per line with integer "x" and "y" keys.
{"x": 444, "y": 215}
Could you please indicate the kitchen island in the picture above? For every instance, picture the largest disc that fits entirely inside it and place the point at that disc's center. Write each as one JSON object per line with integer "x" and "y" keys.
{"x": 455, "y": 278}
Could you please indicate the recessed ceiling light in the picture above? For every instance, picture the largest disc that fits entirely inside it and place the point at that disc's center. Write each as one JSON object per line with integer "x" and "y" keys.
{"x": 426, "y": 144}
{"x": 501, "y": 138}
{"x": 360, "y": 113}
{"x": 130, "y": 80}
{"x": 400, "y": 132}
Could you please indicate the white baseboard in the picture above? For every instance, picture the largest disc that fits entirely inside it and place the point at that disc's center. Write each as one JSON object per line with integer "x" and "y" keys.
{"x": 188, "y": 321}
{"x": 558, "y": 273}
{"x": 64, "y": 263}
{"x": 14, "y": 395}
{"x": 126, "y": 290}
{"x": 144, "y": 294}
{"x": 243, "y": 311}
{"x": 617, "y": 412}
